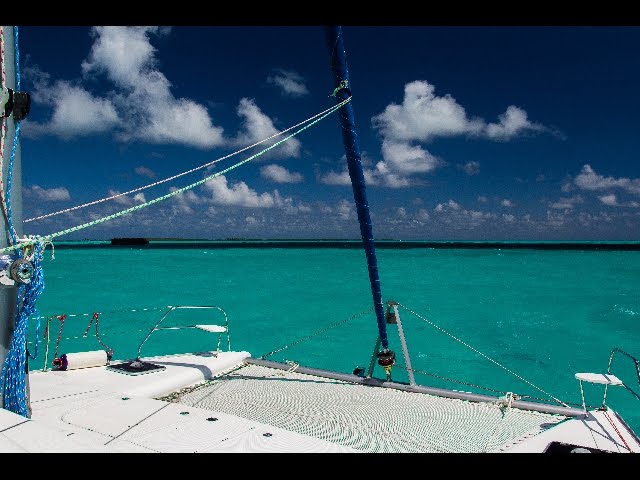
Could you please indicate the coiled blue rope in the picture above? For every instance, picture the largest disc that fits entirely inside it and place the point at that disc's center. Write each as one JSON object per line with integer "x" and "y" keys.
{"x": 14, "y": 371}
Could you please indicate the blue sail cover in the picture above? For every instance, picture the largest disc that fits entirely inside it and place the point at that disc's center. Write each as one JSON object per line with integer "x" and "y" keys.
{"x": 352, "y": 149}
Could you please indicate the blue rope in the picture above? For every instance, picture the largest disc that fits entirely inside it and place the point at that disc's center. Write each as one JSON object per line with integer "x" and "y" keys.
{"x": 12, "y": 231}
{"x": 14, "y": 371}
{"x": 16, "y": 137}
{"x": 17, "y": 55}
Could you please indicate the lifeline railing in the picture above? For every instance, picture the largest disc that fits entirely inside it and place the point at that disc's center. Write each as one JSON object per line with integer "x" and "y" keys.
{"x": 637, "y": 365}
{"x": 220, "y": 329}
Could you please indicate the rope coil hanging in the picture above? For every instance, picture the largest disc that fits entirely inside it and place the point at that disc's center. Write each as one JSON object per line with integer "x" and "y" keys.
{"x": 13, "y": 383}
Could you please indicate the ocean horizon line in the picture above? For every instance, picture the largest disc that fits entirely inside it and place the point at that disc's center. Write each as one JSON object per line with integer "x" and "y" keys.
{"x": 152, "y": 242}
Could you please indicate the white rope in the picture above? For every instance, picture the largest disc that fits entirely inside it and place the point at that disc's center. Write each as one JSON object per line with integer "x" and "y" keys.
{"x": 483, "y": 355}
{"x": 33, "y": 239}
{"x": 159, "y": 182}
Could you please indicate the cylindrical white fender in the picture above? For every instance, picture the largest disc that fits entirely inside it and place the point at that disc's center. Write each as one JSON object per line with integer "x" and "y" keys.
{"x": 73, "y": 361}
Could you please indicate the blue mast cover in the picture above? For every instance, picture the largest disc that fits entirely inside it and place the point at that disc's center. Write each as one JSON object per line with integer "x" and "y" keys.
{"x": 352, "y": 149}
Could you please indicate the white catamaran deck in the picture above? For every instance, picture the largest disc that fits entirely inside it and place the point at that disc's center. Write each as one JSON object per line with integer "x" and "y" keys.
{"x": 224, "y": 403}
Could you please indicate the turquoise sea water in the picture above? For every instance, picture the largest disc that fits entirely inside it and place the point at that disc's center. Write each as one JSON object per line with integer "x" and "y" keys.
{"x": 544, "y": 314}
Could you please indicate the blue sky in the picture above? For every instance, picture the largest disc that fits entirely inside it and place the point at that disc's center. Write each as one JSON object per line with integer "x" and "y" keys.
{"x": 468, "y": 132}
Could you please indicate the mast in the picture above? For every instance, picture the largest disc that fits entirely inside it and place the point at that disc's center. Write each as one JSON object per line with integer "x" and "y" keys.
{"x": 9, "y": 293}
{"x": 335, "y": 45}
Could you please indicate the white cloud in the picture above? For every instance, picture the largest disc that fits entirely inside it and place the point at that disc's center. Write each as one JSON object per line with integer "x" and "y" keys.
{"x": 588, "y": 179}
{"x": 166, "y": 120}
{"x": 508, "y": 218}
{"x": 511, "y": 123}
{"x": 470, "y": 168}
{"x": 218, "y": 191}
{"x": 335, "y": 178}
{"x": 453, "y": 214}
{"x": 555, "y": 219}
{"x": 142, "y": 106}
{"x": 401, "y": 212}
{"x": 346, "y": 210}
{"x": 123, "y": 53}
{"x": 389, "y": 178}
{"x": 145, "y": 172}
{"x": 257, "y": 126}
{"x": 380, "y": 175}
{"x": 566, "y": 203}
{"x": 612, "y": 201}
{"x": 507, "y": 203}
{"x": 239, "y": 194}
{"x": 403, "y": 158}
{"x": 423, "y": 215}
{"x": 479, "y": 216}
{"x": 483, "y": 199}
{"x": 290, "y": 82}
{"x": 609, "y": 199}
{"x": 184, "y": 200}
{"x": 51, "y": 194}
{"x": 75, "y": 111}
{"x": 450, "y": 205}
{"x": 371, "y": 177}
{"x": 343, "y": 210}
{"x": 280, "y": 174}
{"x": 594, "y": 220}
{"x": 424, "y": 116}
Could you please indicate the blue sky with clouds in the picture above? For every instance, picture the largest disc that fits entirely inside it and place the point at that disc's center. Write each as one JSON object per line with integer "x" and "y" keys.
{"x": 468, "y": 132}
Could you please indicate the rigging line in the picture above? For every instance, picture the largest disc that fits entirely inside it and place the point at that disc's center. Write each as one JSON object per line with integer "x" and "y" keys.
{"x": 453, "y": 380}
{"x": 489, "y": 389}
{"x": 325, "y": 329}
{"x": 35, "y": 239}
{"x": 77, "y": 207}
{"x": 123, "y": 310}
{"x": 108, "y": 334}
{"x": 483, "y": 355}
